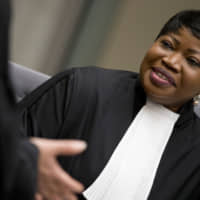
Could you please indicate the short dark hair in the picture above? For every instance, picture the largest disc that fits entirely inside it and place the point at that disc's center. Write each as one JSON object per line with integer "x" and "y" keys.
{"x": 189, "y": 19}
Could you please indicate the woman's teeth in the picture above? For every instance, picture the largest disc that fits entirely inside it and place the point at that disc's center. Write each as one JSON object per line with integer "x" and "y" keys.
{"x": 161, "y": 76}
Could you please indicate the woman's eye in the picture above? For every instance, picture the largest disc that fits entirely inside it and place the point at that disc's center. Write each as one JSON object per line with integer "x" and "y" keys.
{"x": 166, "y": 44}
{"x": 193, "y": 61}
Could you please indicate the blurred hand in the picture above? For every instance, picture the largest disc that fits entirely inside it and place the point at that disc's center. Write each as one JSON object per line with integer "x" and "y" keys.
{"x": 53, "y": 182}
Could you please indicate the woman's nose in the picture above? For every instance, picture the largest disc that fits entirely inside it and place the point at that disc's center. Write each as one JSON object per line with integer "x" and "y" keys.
{"x": 173, "y": 62}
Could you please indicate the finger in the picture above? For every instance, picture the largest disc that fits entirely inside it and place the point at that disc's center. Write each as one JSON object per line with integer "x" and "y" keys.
{"x": 69, "y": 183}
{"x": 60, "y": 147}
{"x": 38, "y": 196}
{"x": 70, "y": 196}
{"x": 68, "y": 147}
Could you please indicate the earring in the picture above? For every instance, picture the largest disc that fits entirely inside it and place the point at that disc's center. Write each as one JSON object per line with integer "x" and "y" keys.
{"x": 196, "y": 99}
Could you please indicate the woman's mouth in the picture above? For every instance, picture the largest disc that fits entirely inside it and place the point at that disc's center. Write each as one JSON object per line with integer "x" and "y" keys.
{"x": 160, "y": 77}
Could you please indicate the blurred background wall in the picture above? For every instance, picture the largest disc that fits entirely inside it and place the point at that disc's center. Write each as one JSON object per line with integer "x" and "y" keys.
{"x": 52, "y": 35}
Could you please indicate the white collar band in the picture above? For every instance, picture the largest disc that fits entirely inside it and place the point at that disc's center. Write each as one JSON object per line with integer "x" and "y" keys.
{"x": 131, "y": 170}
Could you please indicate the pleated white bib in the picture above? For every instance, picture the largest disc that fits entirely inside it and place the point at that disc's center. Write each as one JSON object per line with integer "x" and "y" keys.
{"x": 130, "y": 172}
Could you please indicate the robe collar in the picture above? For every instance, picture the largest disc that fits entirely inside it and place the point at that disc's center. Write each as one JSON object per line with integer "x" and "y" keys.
{"x": 186, "y": 112}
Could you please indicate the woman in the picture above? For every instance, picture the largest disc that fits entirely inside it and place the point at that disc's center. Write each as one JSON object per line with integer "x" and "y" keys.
{"x": 142, "y": 134}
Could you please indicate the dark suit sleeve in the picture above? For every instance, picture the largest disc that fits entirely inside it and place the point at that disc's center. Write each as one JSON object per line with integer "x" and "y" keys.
{"x": 18, "y": 157}
{"x": 25, "y": 181}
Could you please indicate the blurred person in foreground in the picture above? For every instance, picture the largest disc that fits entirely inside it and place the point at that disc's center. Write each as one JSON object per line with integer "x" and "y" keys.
{"x": 142, "y": 133}
{"x": 28, "y": 166}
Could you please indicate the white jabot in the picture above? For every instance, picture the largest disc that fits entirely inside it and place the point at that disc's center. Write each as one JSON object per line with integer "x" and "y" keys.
{"x": 130, "y": 172}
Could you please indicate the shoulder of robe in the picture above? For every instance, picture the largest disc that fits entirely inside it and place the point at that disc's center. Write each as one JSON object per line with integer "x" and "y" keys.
{"x": 69, "y": 96}
{"x": 91, "y": 83}
{"x": 43, "y": 90}
{"x": 81, "y": 79}
{"x": 97, "y": 78}
{"x": 96, "y": 91}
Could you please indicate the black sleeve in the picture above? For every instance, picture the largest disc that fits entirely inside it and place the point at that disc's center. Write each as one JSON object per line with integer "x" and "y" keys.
{"x": 43, "y": 111}
{"x": 18, "y": 162}
{"x": 18, "y": 158}
{"x": 25, "y": 182}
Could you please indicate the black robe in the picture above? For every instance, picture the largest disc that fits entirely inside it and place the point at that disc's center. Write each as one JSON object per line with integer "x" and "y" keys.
{"x": 18, "y": 158}
{"x": 98, "y": 105}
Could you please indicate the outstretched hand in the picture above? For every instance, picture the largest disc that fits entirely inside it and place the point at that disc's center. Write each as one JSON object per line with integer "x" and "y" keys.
{"x": 53, "y": 182}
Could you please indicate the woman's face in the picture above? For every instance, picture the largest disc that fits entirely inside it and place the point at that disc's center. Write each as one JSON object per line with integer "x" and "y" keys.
{"x": 170, "y": 71}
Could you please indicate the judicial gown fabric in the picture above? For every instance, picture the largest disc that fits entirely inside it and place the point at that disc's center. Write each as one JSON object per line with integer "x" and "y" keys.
{"x": 98, "y": 105}
{"x": 18, "y": 158}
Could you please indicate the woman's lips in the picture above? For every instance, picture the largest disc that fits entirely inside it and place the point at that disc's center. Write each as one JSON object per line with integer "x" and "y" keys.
{"x": 161, "y": 77}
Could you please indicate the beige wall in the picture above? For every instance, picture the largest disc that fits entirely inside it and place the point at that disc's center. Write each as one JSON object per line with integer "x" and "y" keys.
{"x": 41, "y": 31}
{"x": 113, "y": 33}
